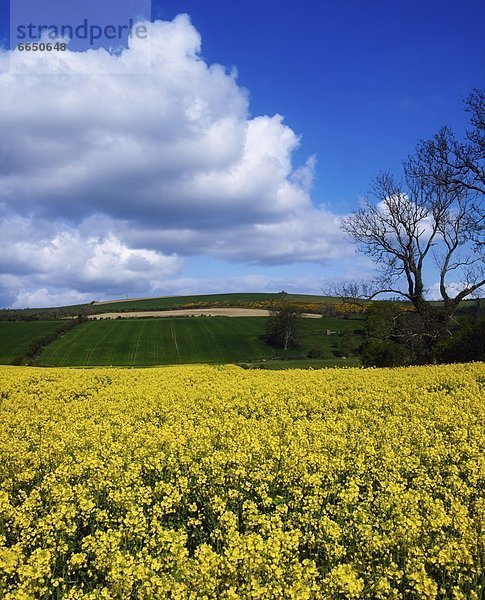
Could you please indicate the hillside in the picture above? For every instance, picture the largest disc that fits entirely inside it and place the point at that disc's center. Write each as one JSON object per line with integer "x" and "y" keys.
{"x": 157, "y": 341}
{"x": 171, "y": 337}
{"x": 243, "y": 300}
{"x": 16, "y": 337}
{"x": 144, "y": 342}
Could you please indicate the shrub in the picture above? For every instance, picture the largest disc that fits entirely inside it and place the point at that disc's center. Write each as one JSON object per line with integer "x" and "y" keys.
{"x": 315, "y": 352}
{"x": 466, "y": 343}
{"x": 384, "y": 353}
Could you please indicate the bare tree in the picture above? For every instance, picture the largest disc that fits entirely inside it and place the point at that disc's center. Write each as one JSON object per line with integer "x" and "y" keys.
{"x": 351, "y": 292}
{"x": 435, "y": 214}
{"x": 445, "y": 161}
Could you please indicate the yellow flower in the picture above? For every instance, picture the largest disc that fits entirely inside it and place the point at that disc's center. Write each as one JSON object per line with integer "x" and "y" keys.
{"x": 216, "y": 482}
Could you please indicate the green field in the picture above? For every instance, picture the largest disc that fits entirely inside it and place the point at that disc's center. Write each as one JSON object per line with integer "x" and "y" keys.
{"x": 143, "y": 342}
{"x": 16, "y": 337}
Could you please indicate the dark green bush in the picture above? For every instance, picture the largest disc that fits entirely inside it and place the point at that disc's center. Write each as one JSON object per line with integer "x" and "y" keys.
{"x": 315, "y": 352}
{"x": 384, "y": 353}
{"x": 467, "y": 343}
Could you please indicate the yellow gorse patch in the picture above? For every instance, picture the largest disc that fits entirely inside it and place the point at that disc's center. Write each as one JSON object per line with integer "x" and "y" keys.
{"x": 215, "y": 482}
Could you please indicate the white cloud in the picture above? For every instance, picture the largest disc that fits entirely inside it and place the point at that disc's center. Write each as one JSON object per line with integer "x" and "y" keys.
{"x": 43, "y": 297}
{"x": 82, "y": 265}
{"x": 453, "y": 288}
{"x": 109, "y": 178}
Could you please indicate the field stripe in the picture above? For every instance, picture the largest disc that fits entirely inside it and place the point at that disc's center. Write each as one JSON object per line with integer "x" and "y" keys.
{"x": 137, "y": 341}
{"x": 174, "y": 338}
{"x": 57, "y": 353}
{"x": 109, "y": 333}
{"x": 220, "y": 354}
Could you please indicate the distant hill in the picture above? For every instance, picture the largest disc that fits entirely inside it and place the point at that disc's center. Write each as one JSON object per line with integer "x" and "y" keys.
{"x": 308, "y": 303}
{"x": 243, "y": 300}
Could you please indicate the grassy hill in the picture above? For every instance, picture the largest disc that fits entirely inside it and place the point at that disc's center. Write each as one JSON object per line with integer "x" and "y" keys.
{"x": 207, "y": 300}
{"x": 143, "y": 342}
{"x": 16, "y": 337}
{"x": 242, "y": 300}
{"x": 309, "y": 303}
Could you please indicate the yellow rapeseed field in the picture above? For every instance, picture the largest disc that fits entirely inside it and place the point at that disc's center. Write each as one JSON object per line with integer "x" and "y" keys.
{"x": 214, "y": 482}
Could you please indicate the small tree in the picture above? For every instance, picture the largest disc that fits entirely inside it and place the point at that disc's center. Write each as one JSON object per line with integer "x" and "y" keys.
{"x": 345, "y": 344}
{"x": 284, "y": 324}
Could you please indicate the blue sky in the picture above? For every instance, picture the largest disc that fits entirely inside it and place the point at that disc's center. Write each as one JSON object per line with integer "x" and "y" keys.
{"x": 361, "y": 82}
{"x": 92, "y": 212}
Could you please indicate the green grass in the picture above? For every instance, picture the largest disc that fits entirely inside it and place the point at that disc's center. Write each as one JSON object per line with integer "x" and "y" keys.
{"x": 143, "y": 342}
{"x": 16, "y": 337}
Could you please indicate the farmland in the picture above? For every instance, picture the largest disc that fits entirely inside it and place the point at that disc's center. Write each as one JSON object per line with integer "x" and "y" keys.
{"x": 218, "y": 482}
{"x": 141, "y": 342}
{"x": 16, "y": 337}
{"x": 173, "y": 302}
{"x": 249, "y": 300}
{"x": 308, "y": 303}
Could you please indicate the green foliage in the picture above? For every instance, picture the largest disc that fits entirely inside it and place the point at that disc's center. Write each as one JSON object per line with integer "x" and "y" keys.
{"x": 379, "y": 319}
{"x": 164, "y": 303}
{"x": 37, "y": 345}
{"x": 395, "y": 337}
{"x": 467, "y": 343}
{"x": 389, "y": 330}
{"x": 380, "y": 349}
{"x": 17, "y": 361}
{"x": 315, "y": 352}
{"x": 244, "y": 300}
{"x": 328, "y": 309}
{"x": 389, "y": 325}
{"x": 345, "y": 344}
{"x": 384, "y": 353}
{"x": 42, "y": 314}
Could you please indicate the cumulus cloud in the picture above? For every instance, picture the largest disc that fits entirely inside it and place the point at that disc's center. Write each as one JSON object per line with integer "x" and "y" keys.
{"x": 75, "y": 266}
{"x": 108, "y": 178}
